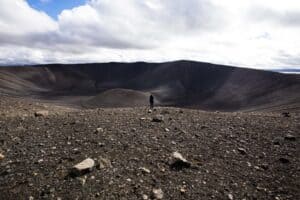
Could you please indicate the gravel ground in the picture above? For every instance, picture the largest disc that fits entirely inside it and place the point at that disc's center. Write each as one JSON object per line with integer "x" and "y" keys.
{"x": 228, "y": 155}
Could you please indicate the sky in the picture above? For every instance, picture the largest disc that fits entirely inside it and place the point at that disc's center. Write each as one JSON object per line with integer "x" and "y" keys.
{"x": 249, "y": 33}
{"x": 54, "y": 7}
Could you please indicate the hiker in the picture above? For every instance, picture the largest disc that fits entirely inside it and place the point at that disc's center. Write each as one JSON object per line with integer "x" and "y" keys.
{"x": 151, "y": 100}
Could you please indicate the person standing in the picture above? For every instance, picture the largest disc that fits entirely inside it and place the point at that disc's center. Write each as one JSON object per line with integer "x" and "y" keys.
{"x": 151, "y": 100}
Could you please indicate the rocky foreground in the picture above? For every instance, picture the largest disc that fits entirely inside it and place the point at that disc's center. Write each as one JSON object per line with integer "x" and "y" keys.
{"x": 51, "y": 152}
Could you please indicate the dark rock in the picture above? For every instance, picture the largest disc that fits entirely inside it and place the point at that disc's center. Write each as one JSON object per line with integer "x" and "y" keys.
{"x": 264, "y": 166}
{"x": 242, "y": 151}
{"x": 133, "y": 130}
{"x": 286, "y": 114}
{"x": 204, "y": 127}
{"x": 284, "y": 160}
{"x": 277, "y": 141}
{"x": 290, "y": 137}
{"x": 158, "y": 118}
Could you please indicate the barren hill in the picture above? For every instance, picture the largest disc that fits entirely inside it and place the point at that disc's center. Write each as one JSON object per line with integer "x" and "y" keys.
{"x": 183, "y": 84}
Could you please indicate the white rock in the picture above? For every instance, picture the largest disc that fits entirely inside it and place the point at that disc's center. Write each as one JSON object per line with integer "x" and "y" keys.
{"x": 84, "y": 166}
{"x": 99, "y": 130}
{"x": 179, "y": 162}
{"x": 178, "y": 156}
{"x": 158, "y": 193}
{"x": 145, "y": 170}
{"x": 182, "y": 190}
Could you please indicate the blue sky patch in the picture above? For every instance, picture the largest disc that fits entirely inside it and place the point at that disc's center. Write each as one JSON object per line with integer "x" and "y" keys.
{"x": 54, "y": 7}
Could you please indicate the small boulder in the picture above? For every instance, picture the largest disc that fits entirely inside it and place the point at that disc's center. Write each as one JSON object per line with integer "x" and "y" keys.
{"x": 178, "y": 156}
{"x": 1, "y": 156}
{"x": 158, "y": 118}
{"x": 83, "y": 167}
{"x": 133, "y": 130}
{"x": 284, "y": 160}
{"x": 145, "y": 197}
{"x": 179, "y": 162}
{"x": 290, "y": 137}
{"x": 165, "y": 112}
{"x": 145, "y": 170}
{"x": 277, "y": 141}
{"x": 242, "y": 151}
{"x": 286, "y": 114}
{"x": 157, "y": 194}
{"x": 99, "y": 130}
{"x": 204, "y": 127}
{"x": 41, "y": 113}
{"x": 182, "y": 190}
{"x": 103, "y": 163}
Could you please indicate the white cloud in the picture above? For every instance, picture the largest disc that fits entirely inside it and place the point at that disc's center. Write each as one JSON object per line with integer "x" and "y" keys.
{"x": 17, "y": 18}
{"x": 250, "y": 33}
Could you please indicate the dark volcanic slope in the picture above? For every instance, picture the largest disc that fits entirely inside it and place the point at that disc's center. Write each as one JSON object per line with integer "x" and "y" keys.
{"x": 183, "y": 83}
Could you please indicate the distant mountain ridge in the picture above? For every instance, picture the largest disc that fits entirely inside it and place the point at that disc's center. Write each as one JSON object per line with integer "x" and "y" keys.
{"x": 181, "y": 83}
{"x": 292, "y": 71}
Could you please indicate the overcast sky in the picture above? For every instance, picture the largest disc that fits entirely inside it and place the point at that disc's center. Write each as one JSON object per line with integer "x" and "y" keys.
{"x": 261, "y": 34}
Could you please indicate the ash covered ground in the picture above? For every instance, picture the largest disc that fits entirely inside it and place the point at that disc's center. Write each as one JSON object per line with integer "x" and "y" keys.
{"x": 249, "y": 155}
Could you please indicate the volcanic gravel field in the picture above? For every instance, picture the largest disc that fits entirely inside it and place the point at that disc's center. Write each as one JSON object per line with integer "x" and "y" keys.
{"x": 237, "y": 155}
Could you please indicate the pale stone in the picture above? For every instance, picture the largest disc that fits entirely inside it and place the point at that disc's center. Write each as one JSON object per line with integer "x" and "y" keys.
{"x": 41, "y": 113}
{"x": 83, "y": 167}
{"x": 178, "y": 156}
{"x": 145, "y": 170}
{"x": 99, "y": 130}
{"x": 2, "y": 156}
{"x": 158, "y": 193}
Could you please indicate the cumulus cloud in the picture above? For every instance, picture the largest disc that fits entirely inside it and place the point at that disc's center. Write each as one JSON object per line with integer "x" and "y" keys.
{"x": 248, "y": 33}
{"x": 135, "y": 23}
{"x": 281, "y": 17}
{"x": 17, "y": 18}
